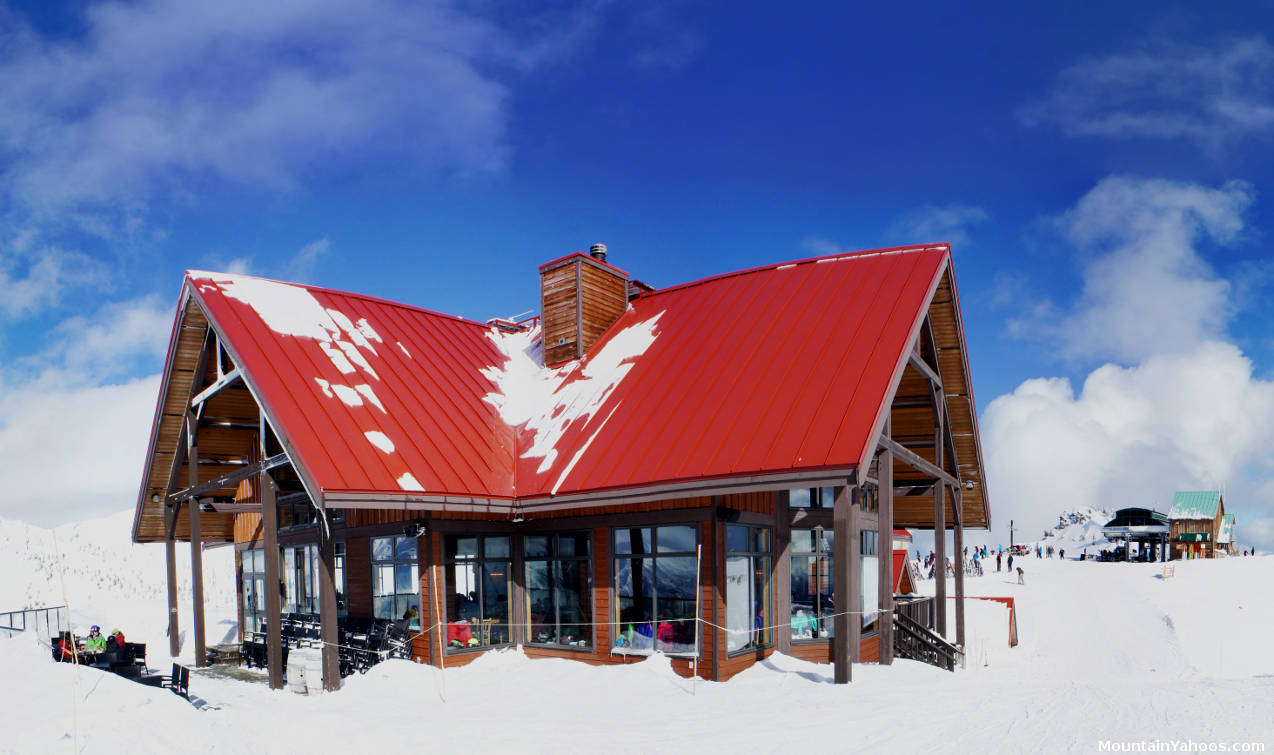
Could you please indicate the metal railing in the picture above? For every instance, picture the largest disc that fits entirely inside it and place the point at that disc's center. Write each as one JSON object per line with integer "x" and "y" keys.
{"x": 46, "y": 622}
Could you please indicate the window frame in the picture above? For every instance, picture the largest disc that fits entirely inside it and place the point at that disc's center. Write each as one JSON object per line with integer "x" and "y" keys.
{"x": 613, "y": 619}
{"x": 770, "y": 623}
{"x": 394, "y": 562}
{"x": 829, "y": 553}
{"x": 479, "y": 561}
{"x": 553, "y": 559}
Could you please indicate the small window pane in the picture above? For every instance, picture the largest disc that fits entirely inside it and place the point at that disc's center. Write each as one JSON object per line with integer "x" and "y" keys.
{"x": 405, "y": 580}
{"x": 462, "y": 547}
{"x": 572, "y": 545}
{"x": 736, "y": 539}
{"x": 828, "y": 497}
{"x": 798, "y": 498}
{"x": 383, "y": 607}
{"x": 535, "y": 546}
{"x": 382, "y": 549}
{"x": 496, "y": 547}
{"x": 803, "y": 541}
{"x": 761, "y": 542}
{"x": 632, "y": 540}
{"x": 406, "y": 548}
{"x": 678, "y": 539}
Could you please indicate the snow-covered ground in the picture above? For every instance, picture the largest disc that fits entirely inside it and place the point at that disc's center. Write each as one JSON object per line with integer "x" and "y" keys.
{"x": 1107, "y": 652}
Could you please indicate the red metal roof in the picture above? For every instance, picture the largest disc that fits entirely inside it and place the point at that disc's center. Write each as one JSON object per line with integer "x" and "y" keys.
{"x": 424, "y": 387}
{"x": 777, "y": 369}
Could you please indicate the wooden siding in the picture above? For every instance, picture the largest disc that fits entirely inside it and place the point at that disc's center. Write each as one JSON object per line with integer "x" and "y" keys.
{"x": 821, "y": 652}
{"x": 247, "y": 527}
{"x": 358, "y": 577}
{"x": 558, "y": 303}
{"x": 604, "y": 297}
{"x": 369, "y": 517}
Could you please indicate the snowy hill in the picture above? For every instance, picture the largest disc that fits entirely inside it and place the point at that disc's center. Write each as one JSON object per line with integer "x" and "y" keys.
{"x": 106, "y": 579}
{"x": 1077, "y": 529}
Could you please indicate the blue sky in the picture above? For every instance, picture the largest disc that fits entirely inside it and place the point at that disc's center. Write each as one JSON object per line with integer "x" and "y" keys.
{"x": 1103, "y": 175}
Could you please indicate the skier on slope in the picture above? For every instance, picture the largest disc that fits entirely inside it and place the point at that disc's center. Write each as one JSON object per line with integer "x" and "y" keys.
{"x": 997, "y": 561}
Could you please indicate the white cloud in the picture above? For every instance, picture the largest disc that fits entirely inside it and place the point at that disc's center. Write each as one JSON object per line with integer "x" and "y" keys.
{"x": 35, "y": 276}
{"x": 1186, "y": 410}
{"x": 931, "y": 224}
{"x": 74, "y": 422}
{"x": 301, "y": 267}
{"x": 157, "y": 96}
{"x": 1206, "y": 94}
{"x": 1132, "y": 435}
{"x": 1146, "y": 289}
{"x": 73, "y": 451}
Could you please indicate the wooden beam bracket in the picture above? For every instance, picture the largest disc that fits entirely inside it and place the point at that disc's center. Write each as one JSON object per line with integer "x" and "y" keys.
{"x": 230, "y": 478}
{"x": 911, "y": 459}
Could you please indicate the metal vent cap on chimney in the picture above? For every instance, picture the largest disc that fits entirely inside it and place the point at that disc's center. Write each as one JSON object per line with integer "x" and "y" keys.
{"x": 598, "y": 251}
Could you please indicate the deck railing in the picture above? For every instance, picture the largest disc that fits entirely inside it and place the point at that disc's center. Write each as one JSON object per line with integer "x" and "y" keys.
{"x": 45, "y": 622}
{"x": 917, "y": 608}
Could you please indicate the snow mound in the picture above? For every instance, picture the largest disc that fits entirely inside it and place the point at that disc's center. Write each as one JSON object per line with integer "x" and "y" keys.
{"x": 1077, "y": 529}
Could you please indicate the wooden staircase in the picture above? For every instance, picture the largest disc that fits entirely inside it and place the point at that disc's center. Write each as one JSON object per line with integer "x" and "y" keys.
{"x": 917, "y": 642}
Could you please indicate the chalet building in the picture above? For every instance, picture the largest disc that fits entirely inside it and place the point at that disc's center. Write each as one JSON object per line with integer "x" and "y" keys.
{"x": 1197, "y": 522}
{"x": 711, "y": 470}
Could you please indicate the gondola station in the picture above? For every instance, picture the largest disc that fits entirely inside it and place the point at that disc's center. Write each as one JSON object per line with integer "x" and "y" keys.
{"x": 712, "y": 470}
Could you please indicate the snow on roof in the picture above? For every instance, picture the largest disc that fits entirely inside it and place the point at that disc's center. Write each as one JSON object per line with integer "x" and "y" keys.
{"x": 1195, "y": 504}
{"x": 545, "y": 401}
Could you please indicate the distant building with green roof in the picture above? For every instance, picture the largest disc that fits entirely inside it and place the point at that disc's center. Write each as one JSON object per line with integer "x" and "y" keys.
{"x": 1197, "y": 522}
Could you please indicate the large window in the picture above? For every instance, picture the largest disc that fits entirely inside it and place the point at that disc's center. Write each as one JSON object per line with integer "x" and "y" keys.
{"x": 812, "y": 584}
{"x": 655, "y": 589}
{"x": 477, "y": 590}
{"x": 253, "y": 565}
{"x": 747, "y": 587}
{"x": 559, "y": 604}
{"x": 395, "y": 578}
{"x": 869, "y": 569}
{"x": 300, "y": 579}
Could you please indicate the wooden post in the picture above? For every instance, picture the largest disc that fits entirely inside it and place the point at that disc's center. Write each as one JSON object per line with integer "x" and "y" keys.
{"x": 273, "y": 599}
{"x": 957, "y": 533}
{"x": 842, "y": 533}
{"x": 940, "y": 532}
{"x": 782, "y": 573}
{"x": 855, "y": 577}
{"x": 885, "y": 552}
{"x": 196, "y": 563}
{"x": 327, "y": 604}
{"x": 517, "y": 582}
{"x": 170, "y": 548}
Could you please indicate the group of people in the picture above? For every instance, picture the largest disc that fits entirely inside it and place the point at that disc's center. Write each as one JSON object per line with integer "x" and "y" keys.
{"x": 92, "y": 645}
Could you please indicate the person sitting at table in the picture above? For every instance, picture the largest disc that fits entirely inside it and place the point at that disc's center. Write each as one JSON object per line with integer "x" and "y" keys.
{"x": 117, "y": 637}
{"x": 66, "y": 647}
{"x": 95, "y": 642}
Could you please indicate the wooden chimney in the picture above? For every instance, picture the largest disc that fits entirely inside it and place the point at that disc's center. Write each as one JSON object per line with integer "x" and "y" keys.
{"x": 580, "y": 297}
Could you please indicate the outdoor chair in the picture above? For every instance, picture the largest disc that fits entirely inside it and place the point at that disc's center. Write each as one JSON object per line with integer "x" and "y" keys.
{"x": 178, "y": 681}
